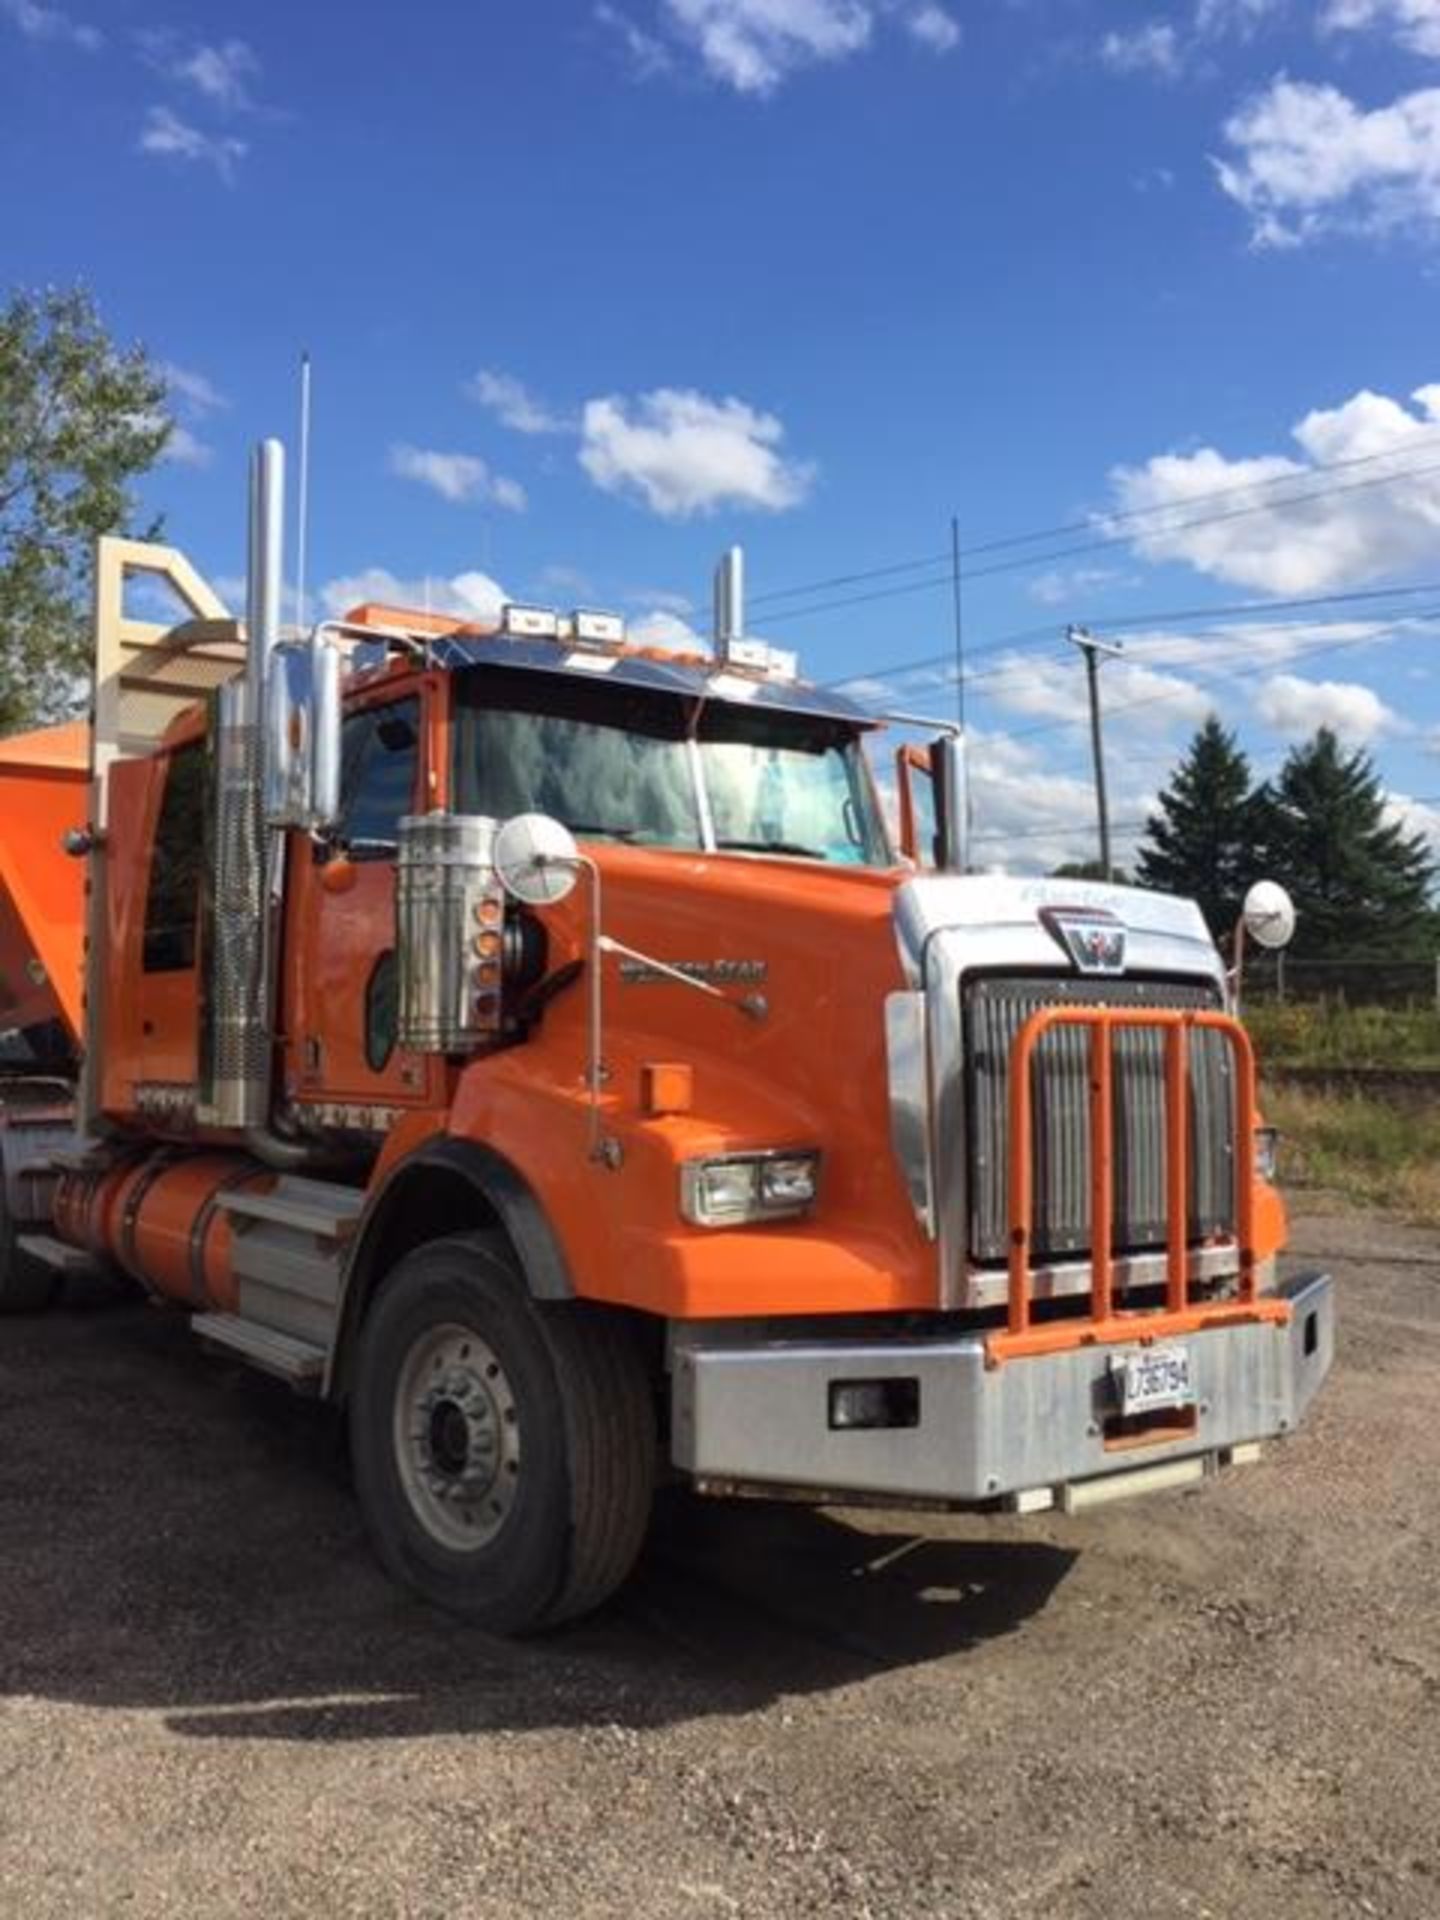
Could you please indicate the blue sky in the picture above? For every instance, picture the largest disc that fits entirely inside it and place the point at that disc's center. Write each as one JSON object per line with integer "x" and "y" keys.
{"x": 594, "y": 289}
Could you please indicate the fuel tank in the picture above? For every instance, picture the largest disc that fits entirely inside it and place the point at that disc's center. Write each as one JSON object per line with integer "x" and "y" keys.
{"x": 159, "y": 1217}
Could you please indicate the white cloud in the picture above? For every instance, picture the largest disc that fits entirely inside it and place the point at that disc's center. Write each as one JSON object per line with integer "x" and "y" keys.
{"x": 185, "y": 448}
{"x": 1295, "y": 706}
{"x": 1164, "y": 49}
{"x": 1414, "y": 23}
{"x": 473, "y": 595}
{"x": 665, "y": 598}
{"x": 513, "y": 404}
{"x": 190, "y": 391}
{"x": 192, "y": 398}
{"x": 38, "y": 22}
{"x": 683, "y": 454}
{"x": 166, "y": 134}
{"x": 1153, "y": 48}
{"x": 1308, "y": 161}
{"x": 1336, "y": 530}
{"x": 1060, "y": 584}
{"x": 659, "y": 627}
{"x": 1029, "y": 818}
{"x": 1237, "y": 651}
{"x": 221, "y": 73}
{"x": 647, "y": 55}
{"x": 933, "y": 27}
{"x": 1048, "y": 687}
{"x": 752, "y": 45}
{"x": 1414, "y": 816}
{"x": 456, "y": 477}
{"x": 1217, "y": 18}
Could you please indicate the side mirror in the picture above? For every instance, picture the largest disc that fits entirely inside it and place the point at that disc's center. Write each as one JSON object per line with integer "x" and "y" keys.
{"x": 536, "y": 859}
{"x": 915, "y": 790}
{"x": 952, "y": 803}
{"x": 940, "y": 770}
{"x": 1269, "y": 914}
{"x": 303, "y": 715}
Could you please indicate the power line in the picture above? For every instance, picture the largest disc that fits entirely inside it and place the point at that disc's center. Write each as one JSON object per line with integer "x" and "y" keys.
{"x": 1215, "y": 657}
{"x": 1097, "y": 545}
{"x": 1125, "y": 516}
{"x": 1265, "y": 666}
{"x": 1170, "y": 616}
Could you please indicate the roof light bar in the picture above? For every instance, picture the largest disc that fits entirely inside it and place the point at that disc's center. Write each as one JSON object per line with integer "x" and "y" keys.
{"x": 529, "y": 623}
{"x": 593, "y": 629}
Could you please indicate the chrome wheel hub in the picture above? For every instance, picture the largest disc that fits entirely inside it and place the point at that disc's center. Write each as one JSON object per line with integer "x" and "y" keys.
{"x": 457, "y": 1437}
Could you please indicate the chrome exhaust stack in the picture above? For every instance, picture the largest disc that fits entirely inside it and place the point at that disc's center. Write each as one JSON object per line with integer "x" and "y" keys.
{"x": 236, "y": 1038}
{"x": 729, "y": 624}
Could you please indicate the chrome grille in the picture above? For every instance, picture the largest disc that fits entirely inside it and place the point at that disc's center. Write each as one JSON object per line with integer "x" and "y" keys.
{"x": 994, "y": 1011}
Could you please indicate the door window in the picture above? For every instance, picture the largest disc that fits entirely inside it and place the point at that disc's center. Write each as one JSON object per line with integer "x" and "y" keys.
{"x": 380, "y": 758}
{"x": 172, "y": 903}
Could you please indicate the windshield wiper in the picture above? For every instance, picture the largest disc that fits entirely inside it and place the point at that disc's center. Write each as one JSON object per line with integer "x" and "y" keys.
{"x": 594, "y": 826}
{"x": 771, "y": 846}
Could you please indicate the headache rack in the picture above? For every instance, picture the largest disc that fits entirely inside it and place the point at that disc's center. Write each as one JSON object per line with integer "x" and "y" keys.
{"x": 1105, "y": 1323}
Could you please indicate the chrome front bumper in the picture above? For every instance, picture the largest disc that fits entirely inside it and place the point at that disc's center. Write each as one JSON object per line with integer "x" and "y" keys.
{"x": 750, "y": 1415}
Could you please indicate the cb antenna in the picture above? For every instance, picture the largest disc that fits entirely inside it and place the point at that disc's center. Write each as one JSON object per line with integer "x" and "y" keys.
{"x": 302, "y": 505}
{"x": 958, "y": 614}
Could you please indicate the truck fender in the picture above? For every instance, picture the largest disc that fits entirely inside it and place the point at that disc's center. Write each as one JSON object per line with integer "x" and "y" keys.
{"x": 446, "y": 1186}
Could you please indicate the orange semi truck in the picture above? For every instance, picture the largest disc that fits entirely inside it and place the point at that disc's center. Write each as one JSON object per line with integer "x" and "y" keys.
{"x": 536, "y": 1044}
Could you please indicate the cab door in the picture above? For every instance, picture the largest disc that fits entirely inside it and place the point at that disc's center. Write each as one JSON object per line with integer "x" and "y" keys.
{"x": 340, "y": 966}
{"x": 167, "y": 991}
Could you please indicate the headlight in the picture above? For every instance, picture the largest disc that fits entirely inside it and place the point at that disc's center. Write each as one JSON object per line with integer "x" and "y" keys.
{"x": 1267, "y": 1151}
{"x": 738, "y": 1187}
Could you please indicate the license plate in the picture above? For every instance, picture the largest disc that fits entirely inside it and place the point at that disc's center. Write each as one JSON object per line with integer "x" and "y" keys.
{"x": 1156, "y": 1377}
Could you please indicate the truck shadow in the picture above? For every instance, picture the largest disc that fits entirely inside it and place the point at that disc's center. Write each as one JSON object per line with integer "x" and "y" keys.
{"x": 205, "y": 1561}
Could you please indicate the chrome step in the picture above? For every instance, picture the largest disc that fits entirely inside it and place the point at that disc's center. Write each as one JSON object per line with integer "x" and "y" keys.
{"x": 55, "y": 1254}
{"x": 287, "y": 1261}
{"x": 320, "y": 1207}
{"x": 298, "y": 1362}
{"x": 287, "y": 1255}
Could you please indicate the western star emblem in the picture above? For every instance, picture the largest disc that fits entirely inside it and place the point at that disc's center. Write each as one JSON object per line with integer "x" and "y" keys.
{"x": 1094, "y": 939}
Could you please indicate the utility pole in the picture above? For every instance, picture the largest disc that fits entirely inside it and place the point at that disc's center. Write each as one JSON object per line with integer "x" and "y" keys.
{"x": 1094, "y": 651}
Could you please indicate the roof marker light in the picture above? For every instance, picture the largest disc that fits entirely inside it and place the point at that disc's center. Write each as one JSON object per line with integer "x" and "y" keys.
{"x": 529, "y": 623}
{"x": 597, "y": 629}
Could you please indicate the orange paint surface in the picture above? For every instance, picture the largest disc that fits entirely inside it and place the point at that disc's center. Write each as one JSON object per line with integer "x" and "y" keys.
{"x": 44, "y": 790}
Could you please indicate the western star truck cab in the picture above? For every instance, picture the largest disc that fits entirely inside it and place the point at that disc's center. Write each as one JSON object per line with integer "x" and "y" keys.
{"x": 536, "y": 1044}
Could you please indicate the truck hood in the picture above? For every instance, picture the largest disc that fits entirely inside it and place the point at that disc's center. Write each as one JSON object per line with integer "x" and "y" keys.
{"x": 1004, "y": 920}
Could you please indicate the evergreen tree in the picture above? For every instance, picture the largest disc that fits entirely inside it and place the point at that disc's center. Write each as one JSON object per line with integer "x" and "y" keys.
{"x": 79, "y": 419}
{"x": 1090, "y": 870}
{"x": 1361, "y": 884}
{"x": 1201, "y": 841}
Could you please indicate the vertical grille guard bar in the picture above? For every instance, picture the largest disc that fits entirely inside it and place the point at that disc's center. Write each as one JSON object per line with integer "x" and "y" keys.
{"x": 1104, "y": 1324}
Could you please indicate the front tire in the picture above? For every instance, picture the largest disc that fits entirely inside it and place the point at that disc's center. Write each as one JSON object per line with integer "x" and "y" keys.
{"x": 504, "y": 1449}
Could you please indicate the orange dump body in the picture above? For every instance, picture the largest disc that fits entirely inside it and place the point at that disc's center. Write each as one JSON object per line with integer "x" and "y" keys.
{"x": 44, "y": 790}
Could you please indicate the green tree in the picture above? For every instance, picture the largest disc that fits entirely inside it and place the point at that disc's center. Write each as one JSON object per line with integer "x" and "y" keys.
{"x": 1200, "y": 842}
{"x": 1090, "y": 870}
{"x": 1361, "y": 883}
{"x": 80, "y": 418}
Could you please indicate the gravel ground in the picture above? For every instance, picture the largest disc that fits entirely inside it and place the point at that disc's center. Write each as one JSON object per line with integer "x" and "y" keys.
{"x": 1225, "y": 1702}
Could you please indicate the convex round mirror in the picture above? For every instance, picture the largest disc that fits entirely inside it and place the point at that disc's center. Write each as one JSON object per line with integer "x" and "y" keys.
{"x": 1269, "y": 914}
{"x": 536, "y": 858}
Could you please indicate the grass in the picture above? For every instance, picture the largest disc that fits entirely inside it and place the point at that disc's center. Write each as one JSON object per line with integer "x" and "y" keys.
{"x": 1367, "y": 1150}
{"x": 1327, "y": 1033}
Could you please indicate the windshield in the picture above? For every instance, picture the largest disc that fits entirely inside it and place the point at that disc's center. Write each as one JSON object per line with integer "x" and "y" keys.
{"x": 615, "y": 762}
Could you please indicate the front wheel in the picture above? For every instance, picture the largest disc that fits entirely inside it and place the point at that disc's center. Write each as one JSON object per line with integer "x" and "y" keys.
{"x": 504, "y": 1450}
